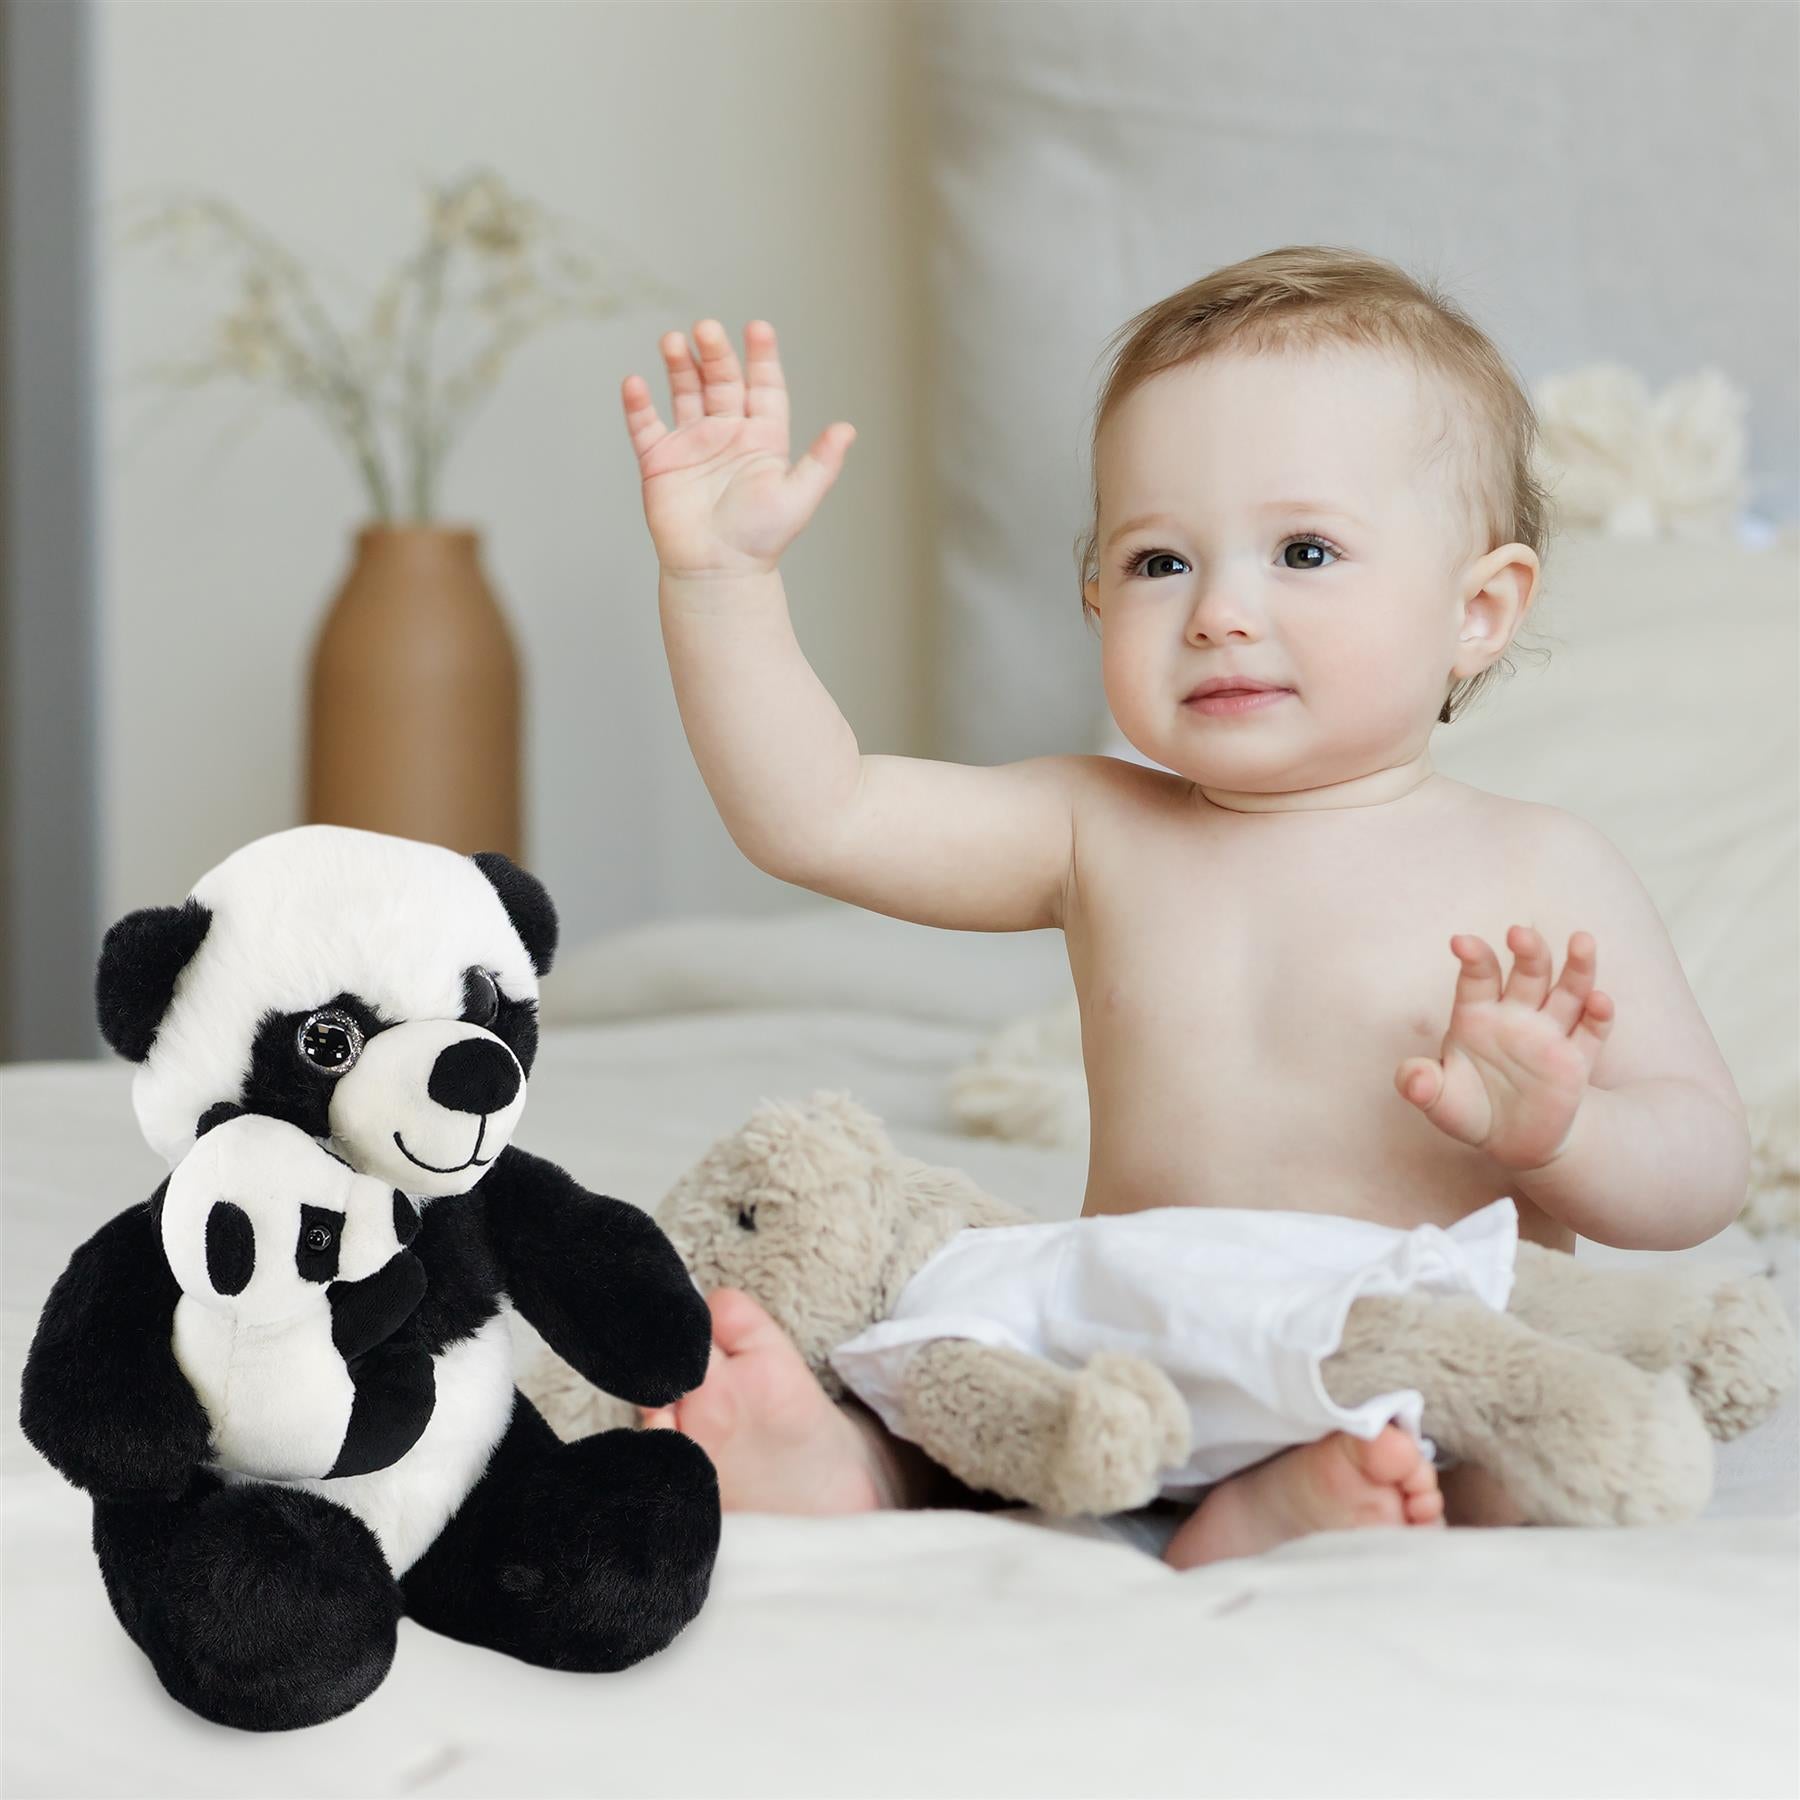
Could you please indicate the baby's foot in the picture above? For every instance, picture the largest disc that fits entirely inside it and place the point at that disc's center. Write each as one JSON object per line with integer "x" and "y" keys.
{"x": 1337, "y": 1484}
{"x": 779, "y": 1443}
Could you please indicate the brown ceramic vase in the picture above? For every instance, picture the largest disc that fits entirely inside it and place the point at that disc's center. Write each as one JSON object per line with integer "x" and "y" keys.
{"x": 413, "y": 700}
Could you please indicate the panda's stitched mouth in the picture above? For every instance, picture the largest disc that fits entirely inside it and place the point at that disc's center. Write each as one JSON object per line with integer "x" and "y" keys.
{"x": 475, "y": 1158}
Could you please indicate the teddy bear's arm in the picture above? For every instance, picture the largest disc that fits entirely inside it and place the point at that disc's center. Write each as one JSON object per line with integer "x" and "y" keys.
{"x": 1090, "y": 1440}
{"x": 103, "y": 1398}
{"x": 598, "y": 1279}
{"x": 1576, "y": 1437}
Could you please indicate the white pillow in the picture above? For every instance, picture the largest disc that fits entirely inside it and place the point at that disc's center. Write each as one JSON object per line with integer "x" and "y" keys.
{"x": 826, "y": 955}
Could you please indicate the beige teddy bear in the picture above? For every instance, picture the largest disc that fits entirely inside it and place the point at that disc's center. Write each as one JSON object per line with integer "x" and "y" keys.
{"x": 1590, "y": 1398}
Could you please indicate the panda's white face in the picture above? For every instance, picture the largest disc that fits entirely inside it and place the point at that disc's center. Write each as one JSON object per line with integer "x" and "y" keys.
{"x": 258, "y": 1221}
{"x": 375, "y": 992}
{"x": 425, "y": 1106}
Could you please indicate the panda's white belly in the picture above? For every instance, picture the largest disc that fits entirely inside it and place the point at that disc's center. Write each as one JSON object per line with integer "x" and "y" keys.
{"x": 407, "y": 1504}
{"x": 278, "y": 1396}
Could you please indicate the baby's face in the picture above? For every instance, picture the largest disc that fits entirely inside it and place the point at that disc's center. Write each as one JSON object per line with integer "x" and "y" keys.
{"x": 1267, "y": 517}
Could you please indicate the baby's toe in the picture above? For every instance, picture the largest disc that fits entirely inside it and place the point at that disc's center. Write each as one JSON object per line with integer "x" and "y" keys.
{"x": 1423, "y": 1508}
{"x": 1422, "y": 1478}
{"x": 1391, "y": 1458}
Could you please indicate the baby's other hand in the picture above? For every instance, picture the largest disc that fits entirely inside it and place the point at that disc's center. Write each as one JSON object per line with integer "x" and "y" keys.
{"x": 1515, "y": 1064}
{"x": 719, "y": 496}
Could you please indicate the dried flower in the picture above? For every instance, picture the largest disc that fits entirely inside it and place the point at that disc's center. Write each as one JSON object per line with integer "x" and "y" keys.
{"x": 491, "y": 270}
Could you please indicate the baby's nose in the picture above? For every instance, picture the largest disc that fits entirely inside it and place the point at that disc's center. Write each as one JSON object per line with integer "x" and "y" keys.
{"x": 1220, "y": 613}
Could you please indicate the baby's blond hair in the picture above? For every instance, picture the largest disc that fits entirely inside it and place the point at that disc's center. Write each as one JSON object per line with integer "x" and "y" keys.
{"x": 1306, "y": 296}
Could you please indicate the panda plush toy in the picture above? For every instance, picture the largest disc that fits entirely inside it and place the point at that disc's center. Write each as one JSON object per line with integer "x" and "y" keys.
{"x": 379, "y": 996}
{"x": 294, "y": 1276}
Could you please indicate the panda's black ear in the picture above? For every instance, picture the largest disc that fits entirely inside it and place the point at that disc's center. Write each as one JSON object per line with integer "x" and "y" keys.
{"x": 527, "y": 904}
{"x": 218, "y": 1114}
{"x": 141, "y": 959}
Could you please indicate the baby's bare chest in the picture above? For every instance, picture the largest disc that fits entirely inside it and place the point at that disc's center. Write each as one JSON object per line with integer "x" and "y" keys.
{"x": 1320, "y": 957}
{"x": 1246, "y": 998}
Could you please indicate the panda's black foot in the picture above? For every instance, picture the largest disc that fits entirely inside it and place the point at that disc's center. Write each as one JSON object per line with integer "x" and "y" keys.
{"x": 259, "y": 1607}
{"x": 590, "y": 1556}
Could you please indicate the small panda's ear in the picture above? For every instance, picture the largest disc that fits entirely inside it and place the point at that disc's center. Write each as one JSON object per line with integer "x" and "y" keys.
{"x": 218, "y": 1115}
{"x": 140, "y": 961}
{"x": 527, "y": 904}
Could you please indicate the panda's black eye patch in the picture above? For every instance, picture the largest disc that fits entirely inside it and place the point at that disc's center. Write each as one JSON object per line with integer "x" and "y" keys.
{"x": 316, "y": 1253}
{"x": 230, "y": 1248}
{"x": 330, "y": 1041}
{"x": 481, "y": 997}
{"x": 747, "y": 1218}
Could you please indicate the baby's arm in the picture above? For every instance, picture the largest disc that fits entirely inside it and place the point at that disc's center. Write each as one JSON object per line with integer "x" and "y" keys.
{"x": 1620, "y": 1119}
{"x": 984, "y": 849}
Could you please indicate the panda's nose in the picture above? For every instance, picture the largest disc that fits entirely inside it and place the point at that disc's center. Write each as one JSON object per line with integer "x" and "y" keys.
{"x": 475, "y": 1075}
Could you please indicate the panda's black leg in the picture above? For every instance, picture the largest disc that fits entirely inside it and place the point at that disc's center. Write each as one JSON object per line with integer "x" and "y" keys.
{"x": 260, "y": 1607}
{"x": 590, "y": 1555}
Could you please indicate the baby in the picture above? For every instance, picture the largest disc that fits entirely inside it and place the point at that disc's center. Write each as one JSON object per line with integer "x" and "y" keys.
{"x": 1315, "y": 533}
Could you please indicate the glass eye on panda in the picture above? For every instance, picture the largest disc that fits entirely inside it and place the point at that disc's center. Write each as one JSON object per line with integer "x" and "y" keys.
{"x": 481, "y": 998}
{"x": 330, "y": 1041}
{"x": 318, "y": 1240}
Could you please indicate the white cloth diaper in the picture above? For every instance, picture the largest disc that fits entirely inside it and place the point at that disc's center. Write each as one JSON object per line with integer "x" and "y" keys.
{"x": 1238, "y": 1307}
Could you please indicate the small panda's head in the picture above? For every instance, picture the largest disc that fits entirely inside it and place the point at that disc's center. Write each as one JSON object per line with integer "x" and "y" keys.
{"x": 375, "y": 992}
{"x": 257, "y": 1221}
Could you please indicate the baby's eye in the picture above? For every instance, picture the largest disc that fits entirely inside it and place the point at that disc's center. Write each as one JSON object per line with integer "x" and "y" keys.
{"x": 1309, "y": 543}
{"x": 1143, "y": 563}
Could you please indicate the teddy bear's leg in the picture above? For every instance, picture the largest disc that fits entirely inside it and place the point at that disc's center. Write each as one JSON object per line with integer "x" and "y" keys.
{"x": 261, "y": 1607}
{"x": 1094, "y": 1440}
{"x": 1576, "y": 1437}
{"x": 590, "y": 1555}
{"x": 1727, "y": 1336}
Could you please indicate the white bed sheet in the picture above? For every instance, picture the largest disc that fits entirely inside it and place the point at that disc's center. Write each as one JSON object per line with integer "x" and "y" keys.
{"x": 931, "y": 1653}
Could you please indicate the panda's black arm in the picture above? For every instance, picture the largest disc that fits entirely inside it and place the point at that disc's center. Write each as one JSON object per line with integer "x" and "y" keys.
{"x": 103, "y": 1398}
{"x": 597, "y": 1277}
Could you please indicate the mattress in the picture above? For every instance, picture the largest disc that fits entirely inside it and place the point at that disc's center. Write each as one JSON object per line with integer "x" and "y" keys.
{"x": 933, "y": 1652}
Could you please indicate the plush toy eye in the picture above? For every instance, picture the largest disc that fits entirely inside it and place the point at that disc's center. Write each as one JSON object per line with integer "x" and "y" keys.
{"x": 331, "y": 1041}
{"x": 318, "y": 1240}
{"x": 747, "y": 1217}
{"x": 481, "y": 999}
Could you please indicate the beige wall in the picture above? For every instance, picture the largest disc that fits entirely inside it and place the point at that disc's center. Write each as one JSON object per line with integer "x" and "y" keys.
{"x": 750, "y": 154}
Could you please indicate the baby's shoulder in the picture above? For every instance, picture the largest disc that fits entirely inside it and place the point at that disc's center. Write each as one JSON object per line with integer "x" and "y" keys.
{"x": 1539, "y": 833}
{"x": 1116, "y": 781}
{"x": 1561, "y": 869}
{"x": 1561, "y": 839}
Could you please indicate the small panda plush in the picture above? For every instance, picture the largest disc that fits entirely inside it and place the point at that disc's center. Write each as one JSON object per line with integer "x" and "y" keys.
{"x": 293, "y": 1272}
{"x": 379, "y": 997}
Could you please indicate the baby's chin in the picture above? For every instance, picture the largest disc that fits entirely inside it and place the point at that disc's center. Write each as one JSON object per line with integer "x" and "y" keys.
{"x": 1244, "y": 774}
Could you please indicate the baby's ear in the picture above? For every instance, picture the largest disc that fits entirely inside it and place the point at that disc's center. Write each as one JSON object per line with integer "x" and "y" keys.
{"x": 1497, "y": 595}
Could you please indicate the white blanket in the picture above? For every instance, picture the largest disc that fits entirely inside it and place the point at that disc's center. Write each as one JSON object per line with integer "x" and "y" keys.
{"x": 932, "y": 1652}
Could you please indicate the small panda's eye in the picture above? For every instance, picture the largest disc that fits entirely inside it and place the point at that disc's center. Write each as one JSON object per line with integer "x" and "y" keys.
{"x": 747, "y": 1217}
{"x": 318, "y": 1240}
{"x": 331, "y": 1041}
{"x": 481, "y": 998}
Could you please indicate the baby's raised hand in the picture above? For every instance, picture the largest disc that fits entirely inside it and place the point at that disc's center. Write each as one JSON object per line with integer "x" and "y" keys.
{"x": 719, "y": 496}
{"x": 1514, "y": 1065}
